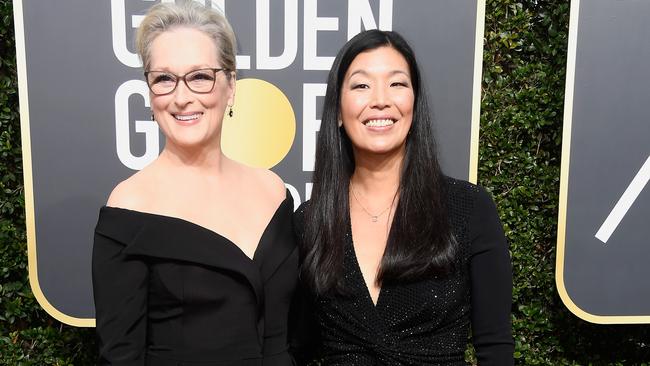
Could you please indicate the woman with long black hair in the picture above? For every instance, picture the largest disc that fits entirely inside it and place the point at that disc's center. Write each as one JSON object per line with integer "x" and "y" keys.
{"x": 400, "y": 261}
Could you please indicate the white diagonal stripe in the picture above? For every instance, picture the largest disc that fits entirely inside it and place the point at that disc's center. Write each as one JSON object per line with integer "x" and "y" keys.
{"x": 624, "y": 203}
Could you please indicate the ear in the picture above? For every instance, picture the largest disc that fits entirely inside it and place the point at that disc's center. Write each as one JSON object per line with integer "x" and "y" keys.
{"x": 232, "y": 85}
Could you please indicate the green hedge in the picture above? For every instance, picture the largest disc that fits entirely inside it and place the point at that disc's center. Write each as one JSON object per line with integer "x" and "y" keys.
{"x": 521, "y": 130}
{"x": 521, "y": 123}
{"x": 28, "y": 336}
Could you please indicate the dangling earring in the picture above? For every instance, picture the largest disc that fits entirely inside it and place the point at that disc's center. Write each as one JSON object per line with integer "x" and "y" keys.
{"x": 152, "y": 117}
{"x": 340, "y": 123}
{"x": 230, "y": 112}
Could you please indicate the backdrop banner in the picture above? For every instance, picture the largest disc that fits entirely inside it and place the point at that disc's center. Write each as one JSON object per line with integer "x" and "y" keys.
{"x": 86, "y": 122}
{"x": 604, "y": 215}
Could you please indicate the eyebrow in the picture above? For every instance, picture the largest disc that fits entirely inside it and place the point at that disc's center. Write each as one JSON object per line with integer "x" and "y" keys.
{"x": 190, "y": 69}
{"x": 391, "y": 73}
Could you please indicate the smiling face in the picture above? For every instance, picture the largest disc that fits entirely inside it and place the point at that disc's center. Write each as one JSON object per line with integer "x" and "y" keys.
{"x": 186, "y": 118}
{"x": 377, "y": 102}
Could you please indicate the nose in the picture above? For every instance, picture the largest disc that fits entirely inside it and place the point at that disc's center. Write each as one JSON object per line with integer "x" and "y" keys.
{"x": 182, "y": 94}
{"x": 380, "y": 98}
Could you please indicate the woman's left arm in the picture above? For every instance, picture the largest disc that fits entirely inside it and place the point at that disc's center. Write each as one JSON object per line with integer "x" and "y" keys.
{"x": 491, "y": 285}
{"x": 303, "y": 330}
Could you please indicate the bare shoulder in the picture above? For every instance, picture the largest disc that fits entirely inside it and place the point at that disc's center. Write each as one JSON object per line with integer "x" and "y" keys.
{"x": 131, "y": 193}
{"x": 267, "y": 182}
{"x": 274, "y": 182}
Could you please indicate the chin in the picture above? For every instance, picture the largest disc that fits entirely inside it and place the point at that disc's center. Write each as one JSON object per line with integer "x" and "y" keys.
{"x": 190, "y": 140}
{"x": 379, "y": 150}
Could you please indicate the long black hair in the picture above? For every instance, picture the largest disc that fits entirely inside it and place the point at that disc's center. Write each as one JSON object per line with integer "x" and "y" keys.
{"x": 419, "y": 243}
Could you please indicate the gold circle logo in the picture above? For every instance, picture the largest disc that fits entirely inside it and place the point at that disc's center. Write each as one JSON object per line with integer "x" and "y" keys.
{"x": 261, "y": 131}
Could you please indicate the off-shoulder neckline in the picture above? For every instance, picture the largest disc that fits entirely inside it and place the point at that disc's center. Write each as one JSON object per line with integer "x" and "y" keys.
{"x": 210, "y": 232}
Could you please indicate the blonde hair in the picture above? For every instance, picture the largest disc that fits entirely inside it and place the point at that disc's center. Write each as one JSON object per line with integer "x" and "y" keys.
{"x": 167, "y": 16}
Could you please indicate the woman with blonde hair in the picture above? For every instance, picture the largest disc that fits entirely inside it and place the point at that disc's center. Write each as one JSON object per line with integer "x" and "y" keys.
{"x": 194, "y": 260}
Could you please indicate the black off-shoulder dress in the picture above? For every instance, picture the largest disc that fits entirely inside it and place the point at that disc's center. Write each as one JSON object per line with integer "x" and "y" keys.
{"x": 170, "y": 292}
{"x": 426, "y": 322}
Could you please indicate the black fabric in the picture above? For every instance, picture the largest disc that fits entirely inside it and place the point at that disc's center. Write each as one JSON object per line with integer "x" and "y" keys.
{"x": 170, "y": 292}
{"x": 425, "y": 322}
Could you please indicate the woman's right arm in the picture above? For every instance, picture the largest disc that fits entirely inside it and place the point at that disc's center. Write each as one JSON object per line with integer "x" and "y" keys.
{"x": 120, "y": 291}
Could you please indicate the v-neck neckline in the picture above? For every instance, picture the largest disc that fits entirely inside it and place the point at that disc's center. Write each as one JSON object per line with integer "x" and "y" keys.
{"x": 359, "y": 273}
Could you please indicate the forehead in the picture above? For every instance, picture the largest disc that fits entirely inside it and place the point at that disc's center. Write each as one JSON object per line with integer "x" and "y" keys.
{"x": 380, "y": 60}
{"x": 182, "y": 49}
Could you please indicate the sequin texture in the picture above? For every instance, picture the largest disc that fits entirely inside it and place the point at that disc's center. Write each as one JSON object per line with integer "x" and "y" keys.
{"x": 422, "y": 323}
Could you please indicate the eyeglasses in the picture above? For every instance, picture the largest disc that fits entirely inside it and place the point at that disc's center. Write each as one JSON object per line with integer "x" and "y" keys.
{"x": 199, "y": 81}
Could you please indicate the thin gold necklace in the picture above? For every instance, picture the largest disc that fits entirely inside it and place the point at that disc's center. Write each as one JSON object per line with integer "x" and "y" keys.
{"x": 373, "y": 217}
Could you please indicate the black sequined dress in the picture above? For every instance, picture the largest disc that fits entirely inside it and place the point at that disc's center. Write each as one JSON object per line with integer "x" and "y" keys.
{"x": 427, "y": 322}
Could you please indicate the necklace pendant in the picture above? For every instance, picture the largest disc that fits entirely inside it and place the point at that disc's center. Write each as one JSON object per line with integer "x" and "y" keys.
{"x": 374, "y": 218}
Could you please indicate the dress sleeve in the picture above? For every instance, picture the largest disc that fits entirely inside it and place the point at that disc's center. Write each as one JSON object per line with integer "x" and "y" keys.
{"x": 491, "y": 285}
{"x": 120, "y": 292}
{"x": 303, "y": 329}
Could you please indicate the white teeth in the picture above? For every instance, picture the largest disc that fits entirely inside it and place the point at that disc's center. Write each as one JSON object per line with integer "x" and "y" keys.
{"x": 379, "y": 122}
{"x": 187, "y": 117}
